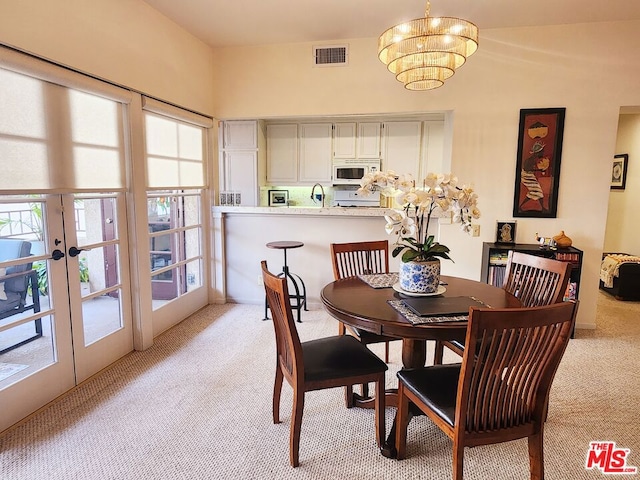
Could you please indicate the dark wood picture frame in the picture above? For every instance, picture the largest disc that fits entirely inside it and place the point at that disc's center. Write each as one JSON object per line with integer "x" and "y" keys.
{"x": 619, "y": 171}
{"x": 506, "y": 232}
{"x": 538, "y": 163}
{"x": 278, "y": 198}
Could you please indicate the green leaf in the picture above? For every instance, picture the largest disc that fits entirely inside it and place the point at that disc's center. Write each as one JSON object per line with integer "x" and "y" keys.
{"x": 410, "y": 255}
{"x": 429, "y": 241}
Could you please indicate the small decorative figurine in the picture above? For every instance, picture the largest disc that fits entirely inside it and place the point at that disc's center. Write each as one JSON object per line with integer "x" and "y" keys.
{"x": 545, "y": 242}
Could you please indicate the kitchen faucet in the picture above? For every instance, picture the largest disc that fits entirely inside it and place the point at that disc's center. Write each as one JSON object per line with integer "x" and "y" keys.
{"x": 322, "y": 194}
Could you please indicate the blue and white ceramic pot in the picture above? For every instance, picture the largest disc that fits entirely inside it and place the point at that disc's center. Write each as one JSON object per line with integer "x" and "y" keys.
{"x": 420, "y": 277}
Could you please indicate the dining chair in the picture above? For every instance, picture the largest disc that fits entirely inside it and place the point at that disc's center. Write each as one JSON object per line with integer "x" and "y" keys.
{"x": 361, "y": 258}
{"x": 329, "y": 362}
{"x": 535, "y": 281}
{"x": 501, "y": 392}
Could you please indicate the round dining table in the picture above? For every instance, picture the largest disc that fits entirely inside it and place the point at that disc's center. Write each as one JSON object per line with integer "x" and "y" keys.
{"x": 356, "y": 303}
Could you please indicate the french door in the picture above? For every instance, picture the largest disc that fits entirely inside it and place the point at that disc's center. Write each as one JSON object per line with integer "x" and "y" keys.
{"x": 75, "y": 318}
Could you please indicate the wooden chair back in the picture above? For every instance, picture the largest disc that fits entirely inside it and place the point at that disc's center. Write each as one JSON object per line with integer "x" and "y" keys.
{"x": 508, "y": 368}
{"x": 288, "y": 346}
{"x": 503, "y": 382}
{"x": 337, "y": 361}
{"x": 536, "y": 281}
{"x": 360, "y": 258}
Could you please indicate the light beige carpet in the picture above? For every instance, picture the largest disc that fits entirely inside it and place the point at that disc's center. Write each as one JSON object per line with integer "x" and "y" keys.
{"x": 197, "y": 405}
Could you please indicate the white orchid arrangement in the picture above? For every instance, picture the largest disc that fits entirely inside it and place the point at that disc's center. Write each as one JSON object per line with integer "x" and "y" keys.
{"x": 439, "y": 194}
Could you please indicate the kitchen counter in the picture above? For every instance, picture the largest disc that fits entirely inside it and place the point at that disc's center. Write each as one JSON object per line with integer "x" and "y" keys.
{"x": 240, "y": 235}
{"x": 308, "y": 211}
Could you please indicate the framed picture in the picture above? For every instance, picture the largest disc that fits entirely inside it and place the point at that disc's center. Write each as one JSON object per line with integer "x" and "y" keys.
{"x": 278, "y": 198}
{"x": 505, "y": 232}
{"x": 619, "y": 171}
{"x": 538, "y": 163}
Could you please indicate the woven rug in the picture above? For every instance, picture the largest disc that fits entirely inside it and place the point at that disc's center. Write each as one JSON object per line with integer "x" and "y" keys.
{"x": 197, "y": 405}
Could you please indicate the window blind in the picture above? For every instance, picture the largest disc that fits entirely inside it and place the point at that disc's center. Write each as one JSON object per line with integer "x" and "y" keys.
{"x": 175, "y": 146}
{"x": 57, "y": 138}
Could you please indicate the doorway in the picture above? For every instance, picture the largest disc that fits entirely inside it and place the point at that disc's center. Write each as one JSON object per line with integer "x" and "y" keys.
{"x": 73, "y": 317}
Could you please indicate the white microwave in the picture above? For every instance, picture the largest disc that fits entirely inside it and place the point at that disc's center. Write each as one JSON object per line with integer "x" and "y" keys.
{"x": 350, "y": 172}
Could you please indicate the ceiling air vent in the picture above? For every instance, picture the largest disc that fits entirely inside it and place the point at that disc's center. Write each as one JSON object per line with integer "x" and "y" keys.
{"x": 331, "y": 56}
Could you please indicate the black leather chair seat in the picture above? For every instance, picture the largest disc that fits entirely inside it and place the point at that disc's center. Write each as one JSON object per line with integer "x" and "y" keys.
{"x": 338, "y": 356}
{"x": 436, "y": 386}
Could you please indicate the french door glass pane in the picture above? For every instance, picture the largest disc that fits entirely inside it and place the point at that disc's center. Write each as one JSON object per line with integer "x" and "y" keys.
{"x": 98, "y": 263}
{"x": 20, "y": 360}
{"x": 101, "y": 316}
{"x": 175, "y": 240}
{"x": 194, "y": 275}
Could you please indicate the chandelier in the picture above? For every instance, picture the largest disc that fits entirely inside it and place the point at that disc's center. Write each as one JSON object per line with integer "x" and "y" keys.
{"x": 424, "y": 52}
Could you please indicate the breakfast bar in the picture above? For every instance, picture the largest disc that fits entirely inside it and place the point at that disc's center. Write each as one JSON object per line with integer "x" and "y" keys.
{"x": 241, "y": 233}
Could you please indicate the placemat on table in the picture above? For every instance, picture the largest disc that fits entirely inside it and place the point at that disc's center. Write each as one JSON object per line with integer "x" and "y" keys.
{"x": 380, "y": 280}
{"x": 417, "y": 320}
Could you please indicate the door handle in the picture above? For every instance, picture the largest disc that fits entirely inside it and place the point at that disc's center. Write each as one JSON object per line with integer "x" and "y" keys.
{"x": 57, "y": 254}
{"x": 74, "y": 251}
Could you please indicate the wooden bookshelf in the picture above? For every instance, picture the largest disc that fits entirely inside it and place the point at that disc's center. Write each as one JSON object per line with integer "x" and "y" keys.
{"x": 494, "y": 260}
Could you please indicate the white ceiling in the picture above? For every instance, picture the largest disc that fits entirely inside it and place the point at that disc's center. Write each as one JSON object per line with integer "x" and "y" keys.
{"x": 256, "y": 22}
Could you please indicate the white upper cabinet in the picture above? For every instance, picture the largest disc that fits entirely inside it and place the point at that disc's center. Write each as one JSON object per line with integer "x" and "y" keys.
{"x": 299, "y": 153}
{"x": 282, "y": 154}
{"x": 401, "y": 152}
{"x": 344, "y": 140}
{"x": 369, "y": 140}
{"x": 240, "y": 135}
{"x": 238, "y": 154}
{"x": 356, "y": 140}
{"x": 302, "y": 153}
{"x": 315, "y": 152}
{"x": 433, "y": 147}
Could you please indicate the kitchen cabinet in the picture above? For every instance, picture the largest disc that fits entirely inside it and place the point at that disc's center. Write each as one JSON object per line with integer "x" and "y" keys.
{"x": 401, "y": 149}
{"x": 302, "y": 153}
{"x": 282, "y": 154}
{"x": 299, "y": 153}
{"x": 240, "y": 135}
{"x": 356, "y": 140}
{"x": 433, "y": 147}
{"x": 240, "y": 174}
{"x": 238, "y": 159}
{"x": 315, "y": 153}
{"x": 344, "y": 140}
{"x": 368, "y": 140}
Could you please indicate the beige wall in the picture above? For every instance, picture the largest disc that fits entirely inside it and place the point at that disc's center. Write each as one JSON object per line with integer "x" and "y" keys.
{"x": 589, "y": 69}
{"x": 623, "y": 232}
{"x": 123, "y": 41}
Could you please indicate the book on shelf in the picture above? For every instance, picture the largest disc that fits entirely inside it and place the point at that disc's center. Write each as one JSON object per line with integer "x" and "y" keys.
{"x": 498, "y": 258}
{"x": 496, "y": 275}
{"x": 568, "y": 257}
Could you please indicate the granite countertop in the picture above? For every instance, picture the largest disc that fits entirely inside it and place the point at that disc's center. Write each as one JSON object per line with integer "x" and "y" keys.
{"x": 310, "y": 211}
